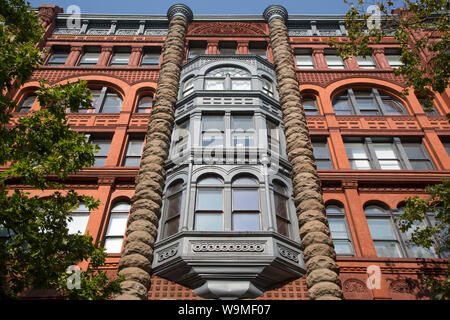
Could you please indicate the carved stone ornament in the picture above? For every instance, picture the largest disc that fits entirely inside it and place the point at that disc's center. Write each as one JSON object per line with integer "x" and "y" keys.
{"x": 288, "y": 253}
{"x": 167, "y": 253}
{"x": 249, "y": 246}
{"x": 180, "y": 10}
{"x": 401, "y": 286}
{"x": 275, "y": 11}
{"x": 223, "y": 28}
{"x": 354, "y": 286}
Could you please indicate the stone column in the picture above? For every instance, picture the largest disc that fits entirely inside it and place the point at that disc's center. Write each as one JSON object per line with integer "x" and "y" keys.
{"x": 137, "y": 255}
{"x": 318, "y": 251}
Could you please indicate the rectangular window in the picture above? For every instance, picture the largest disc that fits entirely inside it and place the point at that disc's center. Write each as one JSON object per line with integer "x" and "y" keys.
{"x": 393, "y": 57}
{"x": 196, "y": 48}
{"x": 209, "y": 210}
{"x": 59, "y": 56}
{"x": 386, "y": 244}
{"x": 114, "y": 233}
{"x": 417, "y": 156}
{"x": 90, "y": 57}
{"x": 120, "y": 57}
{"x": 258, "y": 48}
{"x": 366, "y": 63}
{"x": 243, "y": 131}
{"x": 304, "y": 59}
{"x": 322, "y": 155}
{"x": 340, "y": 236}
{"x": 387, "y": 154}
{"x": 273, "y": 137}
{"x": 334, "y": 61}
{"x": 104, "y": 143}
{"x": 134, "y": 152}
{"x": 357, "y": 155}
{"x": 151, "y": 56}
{"x": 80, "y": 218}
{"x": 213, "y": 131}
{"x": 227, "y": 47}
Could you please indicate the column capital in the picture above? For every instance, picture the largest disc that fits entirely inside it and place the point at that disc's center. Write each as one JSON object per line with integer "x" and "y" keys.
{"x": 180, "y": 10}
{"x": 275, "y": 11}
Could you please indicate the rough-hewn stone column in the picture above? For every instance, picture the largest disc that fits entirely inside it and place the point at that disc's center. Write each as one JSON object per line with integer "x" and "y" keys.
{"x": 136, "y": 260}
{"x": 318, "y": 251}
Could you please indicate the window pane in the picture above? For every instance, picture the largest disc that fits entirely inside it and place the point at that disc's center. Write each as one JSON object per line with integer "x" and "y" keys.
{"x": 243, "y": 140}
{"x": 210, "y": 182}
{"x": 245, "y": 200}
{"x": 135, "y": 147}
{"x": 132, "y": 161}
{"x": 145, "y": 104}
{"x": 240, "y": 85}
{"x": 242, "y": 123}
{"x": 27, "y": 103}
{"x": 387, "y": 249}
{"x": 214, "y": 85}
{"x": 57, "y": 59}
{"x": 78, "y": 223}
{"x": 384, "y": 151}
{"x": 209, "y": 200}
{"x": 208, "y": 221}
{"x": 342, "y": 247}
{"x": 104, "y": 147}
{"x": 366, "y": 63}
{"x": 381, "y": 229}
{"x": 120, "y": 58}
{"x": 246, "y": 222}
{"x": 174, "y": 206}
{"x": 89, "y": 58}
{"x": 414, "y": 151}
{"x": 282, "y": 227}
{"x": 305, "y": 61}
{"x": 172, "y": 226}
{"x": 360, "y": 164}
{"x": 421, "y": 165}
{"x": 113, "y": 245}
{"x": 212, "y": 140}
{"x": 338, "y": 228}
{"x": 211, "y": 123}
{"x": 341, "y": 106}
{"x": 245, "y": 181}
{"x": 330, "y": 209}
{"x": 310, "y": 106}
{"x": 389, "y": 165}
{"x": 117, "y": 224}
{"x": 355, "y": 151}
{"x": 392, "y": 107}
{"x": 113, "y": 103}
{"x": 281, "y": 206}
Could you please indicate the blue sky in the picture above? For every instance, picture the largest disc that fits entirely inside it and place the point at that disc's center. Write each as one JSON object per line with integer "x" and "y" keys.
{"x": 199, "y": 6}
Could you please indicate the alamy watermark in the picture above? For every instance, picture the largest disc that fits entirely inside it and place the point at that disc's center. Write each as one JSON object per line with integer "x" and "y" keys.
{"x": 74, "y": 280}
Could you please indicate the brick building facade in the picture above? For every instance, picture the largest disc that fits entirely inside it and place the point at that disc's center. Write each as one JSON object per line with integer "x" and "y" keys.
{"x": 374, "y": 148}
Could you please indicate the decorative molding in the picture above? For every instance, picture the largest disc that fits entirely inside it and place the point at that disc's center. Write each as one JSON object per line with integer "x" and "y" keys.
{"x": 401, "y": 286}
{"x": 228, "y": 246}
{"x": 354, "y": 286}
{"x": 288, "y": 253}
{"x": 180, "y": 10}
{"x": 167, "y": 253}
{"x": 225, "y": 28}
{"x": 275, "y": 11}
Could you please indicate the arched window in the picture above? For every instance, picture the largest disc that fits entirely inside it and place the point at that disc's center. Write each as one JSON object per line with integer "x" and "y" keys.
{"x": 366, "y": 102}
{"x": 246, "y": 212}
{"x": 116, "y": 227}
{"x": 339, "y": 230}
{"x": 144, "y": 104}
{"x": 174, "y": 202}
{"x": 209, "y": 204}
{"x": 104, "y": 100}
{"x": 27, "y": 103}
{"x": 412, "y": 249}
{"x": 383, "y": 231}
{"x": 188, "y": 86}
{"x": 228, "y": 78}
{"x": 281, "y": 198}
{"x": 310, "y": 105}
{"x": 267, "y": 87}
{"x": 79, "y": 219}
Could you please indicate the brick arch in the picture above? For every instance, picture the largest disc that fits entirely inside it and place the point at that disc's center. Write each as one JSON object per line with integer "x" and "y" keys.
{"x": 390, "y": 88}
{"x": 111, "y": 82}
{"x": 25, "y": 90}
{"x": 376, "y": 202}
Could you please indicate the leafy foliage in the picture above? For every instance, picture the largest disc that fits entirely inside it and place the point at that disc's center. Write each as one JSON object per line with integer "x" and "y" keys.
{"x": 421, "y": 28}
{"x": 436, "y": 236}
{"x": 39, "y": 151}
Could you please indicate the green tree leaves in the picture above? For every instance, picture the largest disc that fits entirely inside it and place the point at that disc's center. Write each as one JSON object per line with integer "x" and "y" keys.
{"x": 39, "y": 151}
